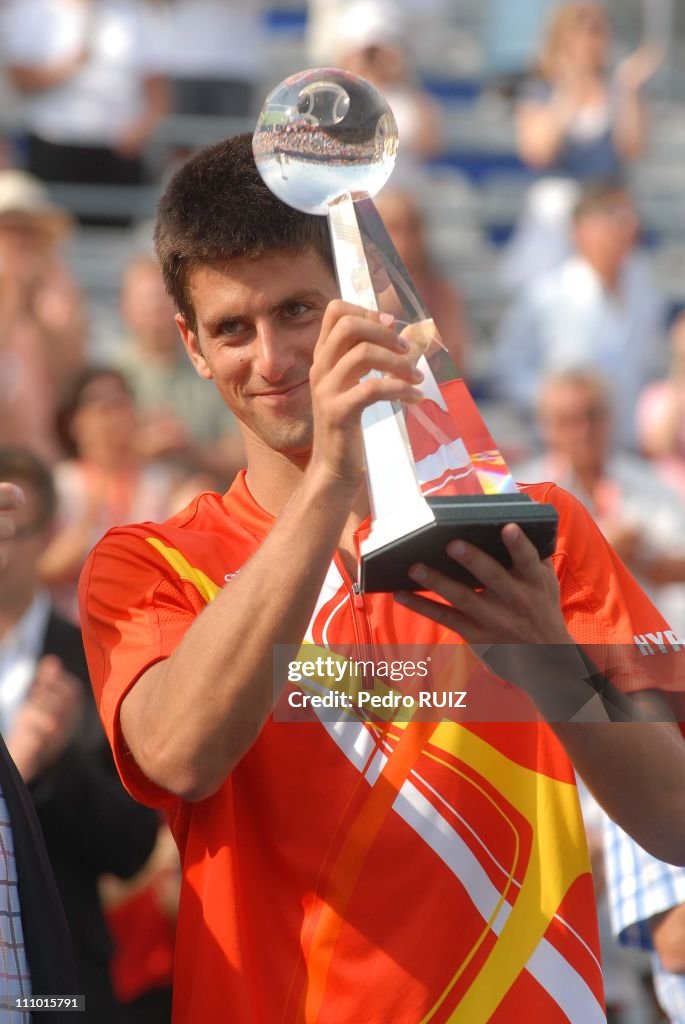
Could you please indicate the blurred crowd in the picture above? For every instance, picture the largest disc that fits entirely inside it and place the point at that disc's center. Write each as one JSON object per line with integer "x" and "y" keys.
{"x": 582, "y": 375}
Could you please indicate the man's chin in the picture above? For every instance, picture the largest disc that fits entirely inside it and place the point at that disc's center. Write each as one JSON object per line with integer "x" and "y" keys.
{"x": 293, "y": 442}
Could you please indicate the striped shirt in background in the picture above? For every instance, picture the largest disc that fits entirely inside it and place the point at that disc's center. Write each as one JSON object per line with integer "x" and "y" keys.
{"x": 640, "y": 886}
{"x": 15, "y": 980}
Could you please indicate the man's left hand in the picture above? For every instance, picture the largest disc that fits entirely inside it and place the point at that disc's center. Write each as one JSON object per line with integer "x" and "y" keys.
{"x": 517, "y": 605}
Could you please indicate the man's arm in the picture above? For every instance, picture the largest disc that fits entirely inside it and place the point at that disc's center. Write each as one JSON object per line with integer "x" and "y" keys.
{"x": 634, "y": 769}
{"x": 190, "y": 718}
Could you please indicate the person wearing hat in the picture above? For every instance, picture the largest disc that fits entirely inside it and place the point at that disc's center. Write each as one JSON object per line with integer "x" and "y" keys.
{"x": 369, "y": 43}
{"x": 44, "y": 324}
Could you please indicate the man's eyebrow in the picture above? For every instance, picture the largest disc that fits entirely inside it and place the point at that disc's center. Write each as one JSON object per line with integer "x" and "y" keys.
{"x": 213, "y": 324}
{"x": 311, "y": 294}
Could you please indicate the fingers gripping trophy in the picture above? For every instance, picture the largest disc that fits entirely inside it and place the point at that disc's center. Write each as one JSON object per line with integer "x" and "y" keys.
{"x": 326, "y": 143}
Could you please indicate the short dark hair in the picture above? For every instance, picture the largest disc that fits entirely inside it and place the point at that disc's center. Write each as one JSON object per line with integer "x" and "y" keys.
{"x": 21, "y": 466}
{"x": 217, "y": 208}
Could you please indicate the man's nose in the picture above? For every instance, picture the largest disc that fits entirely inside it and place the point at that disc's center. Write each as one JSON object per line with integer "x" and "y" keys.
{"x": 273, "y": 357}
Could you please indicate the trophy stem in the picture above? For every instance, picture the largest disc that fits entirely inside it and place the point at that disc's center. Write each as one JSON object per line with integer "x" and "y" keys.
{"x": 396, "y": 501}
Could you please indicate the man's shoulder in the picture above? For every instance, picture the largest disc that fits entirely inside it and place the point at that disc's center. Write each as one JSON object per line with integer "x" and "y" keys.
{"x": 544, "y": 491}
{"x": 205, "y": 509}
{"x": 201, "y": 522}
{"x": 577, "y": 528}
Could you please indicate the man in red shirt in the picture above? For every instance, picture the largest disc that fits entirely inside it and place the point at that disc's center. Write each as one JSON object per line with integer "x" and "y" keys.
{"x": 348, "y": 871}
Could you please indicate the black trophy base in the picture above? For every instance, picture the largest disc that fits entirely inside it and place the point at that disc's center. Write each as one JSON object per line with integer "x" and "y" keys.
{"x": 477, "y": 519}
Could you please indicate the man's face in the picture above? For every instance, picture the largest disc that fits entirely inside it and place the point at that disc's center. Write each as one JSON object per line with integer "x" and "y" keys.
{"x": 257, "y": 324}
{"x": 575, "y": 424}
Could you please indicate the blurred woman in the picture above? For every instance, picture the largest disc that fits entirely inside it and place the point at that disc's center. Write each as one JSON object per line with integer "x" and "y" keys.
{"x": 575, "y": 121}
{"x": 103, "y": 482}
{"x": 575, "y": 118}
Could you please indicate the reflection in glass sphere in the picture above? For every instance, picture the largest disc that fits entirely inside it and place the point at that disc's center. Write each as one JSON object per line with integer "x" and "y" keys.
{"x": 323, "y": 133}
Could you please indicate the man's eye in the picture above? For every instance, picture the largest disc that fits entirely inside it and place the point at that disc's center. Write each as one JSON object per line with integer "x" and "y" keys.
{"x": 231, "y": 328}
{"x": 295, "y": 309}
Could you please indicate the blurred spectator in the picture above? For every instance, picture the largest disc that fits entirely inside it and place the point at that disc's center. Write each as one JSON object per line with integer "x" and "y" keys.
{"x": 181, "y": 416}
{"x": 404, "y": 220}
{"x": 142, "y": 915}
{"x": 92, "y": 88}
{"x": 574, "y": 122}
{"x": 574, "y": 119}
{"x": 598, "y": 309}
{"x": 11, "y": 498}
{"x": 36, "y": 946}
{"x": 43, "y": 339}
{"x": 641, "y": 517}
{"x": 368, "y": 42}
{"x": 52, "y": 730}
{"x": 103, "y": 482}
{"x": 661, "y": 414}
{"x": 647, "y": 907}
{"x": 623, "y": 970}
{"x": 419, "y": 22}
{"x": 215, "y": 55}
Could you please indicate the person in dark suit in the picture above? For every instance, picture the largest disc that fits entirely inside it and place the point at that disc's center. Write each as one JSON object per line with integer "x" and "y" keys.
{"x": 45, "y": 950}
{"x": 52, "y": 730}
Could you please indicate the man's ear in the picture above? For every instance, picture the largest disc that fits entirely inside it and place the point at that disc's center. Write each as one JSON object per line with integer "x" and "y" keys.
{"x": 192, "y": 347}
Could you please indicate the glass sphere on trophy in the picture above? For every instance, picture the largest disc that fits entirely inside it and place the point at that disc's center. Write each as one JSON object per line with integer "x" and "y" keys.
{"x": 326, "y": 143}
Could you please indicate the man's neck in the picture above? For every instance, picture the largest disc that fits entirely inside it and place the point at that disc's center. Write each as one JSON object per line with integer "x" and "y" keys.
{"x": 272, "y": 478}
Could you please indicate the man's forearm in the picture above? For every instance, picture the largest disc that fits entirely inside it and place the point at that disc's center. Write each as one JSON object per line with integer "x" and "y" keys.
{"x": 635, "y": 771}
{"x": 626, "y": 747}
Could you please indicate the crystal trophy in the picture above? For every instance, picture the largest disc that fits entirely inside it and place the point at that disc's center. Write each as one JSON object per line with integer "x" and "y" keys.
{"x": 325, "y": 143}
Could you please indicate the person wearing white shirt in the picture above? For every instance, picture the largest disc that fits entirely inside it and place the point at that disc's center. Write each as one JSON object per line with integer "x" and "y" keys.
{"x": 49, "y": 722}
{"x": 89, "y": 75}
{"x": 215, "y": 55}
{"x": 599, "y": 309}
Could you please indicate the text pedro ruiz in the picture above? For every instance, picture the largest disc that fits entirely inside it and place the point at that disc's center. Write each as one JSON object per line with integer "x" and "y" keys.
{"x": 331, "y": 671}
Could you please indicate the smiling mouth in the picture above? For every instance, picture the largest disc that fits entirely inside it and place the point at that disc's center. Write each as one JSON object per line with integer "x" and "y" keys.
{"x": 280, "y": 393}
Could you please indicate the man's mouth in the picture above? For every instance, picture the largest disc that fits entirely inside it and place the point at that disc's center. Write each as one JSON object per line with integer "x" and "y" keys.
{"x": 280, "y": 392}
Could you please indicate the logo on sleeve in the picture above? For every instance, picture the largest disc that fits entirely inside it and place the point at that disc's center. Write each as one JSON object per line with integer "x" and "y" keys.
{"x": 658, "y": 643}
